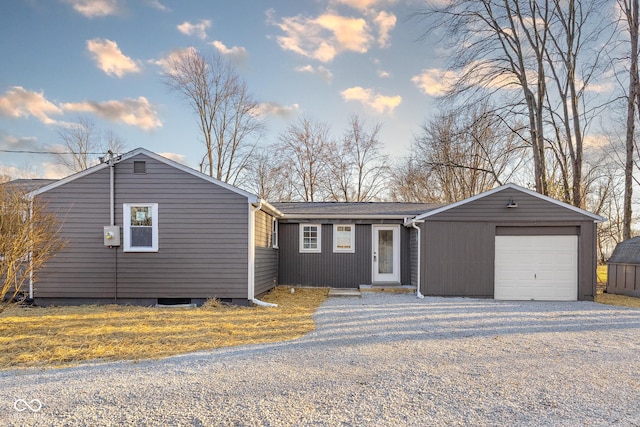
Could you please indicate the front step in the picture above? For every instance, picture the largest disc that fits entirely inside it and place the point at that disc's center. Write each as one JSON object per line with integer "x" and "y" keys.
{"x": 392, "y": 288}
{"x": 344, "y": 292}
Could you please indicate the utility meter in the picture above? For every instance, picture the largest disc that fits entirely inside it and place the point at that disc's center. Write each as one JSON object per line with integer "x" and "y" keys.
{"x": 111, "y": 235}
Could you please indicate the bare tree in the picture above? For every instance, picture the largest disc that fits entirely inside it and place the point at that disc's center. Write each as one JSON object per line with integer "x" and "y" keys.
{"x": 460, "y": 154}
{"x": 306, "y": 148}
{"x": 228, "y": 116}
{"x": 267, "y": 176}
{"x": 82, "y": 143}
{"x": 531, "y": 58}
{"x": 629, "y": 10}
{"x": 29, "y": 236}
{"x": 359, "y": 170}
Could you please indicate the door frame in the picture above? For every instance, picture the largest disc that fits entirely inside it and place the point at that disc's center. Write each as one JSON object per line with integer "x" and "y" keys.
{"x": 385, "y": 278}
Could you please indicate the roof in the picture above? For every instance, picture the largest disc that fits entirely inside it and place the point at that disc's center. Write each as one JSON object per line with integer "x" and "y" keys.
{"x": 594, "y": 217}
{"x": 627, "y": 252}
{"x": 29, "y": 185}
{"x": 352, "y": 210}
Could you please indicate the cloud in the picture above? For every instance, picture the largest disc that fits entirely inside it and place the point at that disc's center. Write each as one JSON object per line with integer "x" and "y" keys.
{"x": 323, "y": 37}
{"x": 18, "y": 102}
{"x": 110, "y": 59}
{"x": 433, "y": 81}
{"x": 54, "y": 170}
{"x": 277, "y": 110}
{"x": 135, "y": 112}
{"x": 384, "y": 74}
{"x": 368, "y": 98}
{"x": 157, "y": 5}
{"x": 15, "y": 143}
{"x": 359, "y": 4}
{"x": 320, "y": 71}
{"x": 172, "y": 57}
{"x": 95, "y": 8}
{"x": 385, "y": 21}
{"x": 236, "y": 54}
{"x": 179, "y": 158}
{"x": 198, "y": 30}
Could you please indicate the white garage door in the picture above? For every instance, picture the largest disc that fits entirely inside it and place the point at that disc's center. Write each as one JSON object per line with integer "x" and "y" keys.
{"x": 536, "y": 268}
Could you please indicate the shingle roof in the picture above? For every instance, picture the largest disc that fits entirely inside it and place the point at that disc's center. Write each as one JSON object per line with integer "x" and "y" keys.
{"x": 352, "y": 209}
{"x": 627, "y": 252}
{"x": 28, "y": 185}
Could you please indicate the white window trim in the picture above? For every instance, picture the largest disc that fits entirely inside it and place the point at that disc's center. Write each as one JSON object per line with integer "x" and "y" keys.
{"x": 126, "y": 225}
{"x": 352, "y": 247}
{"x": 313, "y": 250}
{"x": 274, "y": 234}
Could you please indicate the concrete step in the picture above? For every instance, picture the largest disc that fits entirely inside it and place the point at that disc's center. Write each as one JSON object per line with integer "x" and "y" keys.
{"x": 388, "y": 287}
{"x": 342, "y": 292}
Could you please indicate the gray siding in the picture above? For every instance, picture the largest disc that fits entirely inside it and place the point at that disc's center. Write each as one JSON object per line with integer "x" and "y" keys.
{"x": 203, "y": 238}
{"x": 623, "y": 279}
{"x": 457, "y": 259}
{"x": 337, "y": 270}
{"x": 494, "y": 208}
{"x": 266, "y": 257}
{"x": 458, "y": 245}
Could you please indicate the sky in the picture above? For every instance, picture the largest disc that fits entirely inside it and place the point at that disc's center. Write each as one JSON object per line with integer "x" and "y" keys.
{"x": 102, "y": 60}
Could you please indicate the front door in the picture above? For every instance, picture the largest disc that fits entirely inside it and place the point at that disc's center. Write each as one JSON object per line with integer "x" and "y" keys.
{"x": 386, "y": 254}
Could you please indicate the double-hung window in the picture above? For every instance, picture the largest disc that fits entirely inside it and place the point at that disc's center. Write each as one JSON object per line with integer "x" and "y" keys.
{"x": 310, "y": 238}
{"x": 140, "y": 223}
{"x": 343, "y": 238}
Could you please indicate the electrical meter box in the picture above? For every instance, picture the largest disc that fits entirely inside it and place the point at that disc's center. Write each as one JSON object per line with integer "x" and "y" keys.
{"x": 111, "y": 235}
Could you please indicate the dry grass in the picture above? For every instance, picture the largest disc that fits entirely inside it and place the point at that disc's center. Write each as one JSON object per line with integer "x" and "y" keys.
{"x": 611, "y": 299}
{"x": 601, "y": 274}
{"x": 60, "y": 336}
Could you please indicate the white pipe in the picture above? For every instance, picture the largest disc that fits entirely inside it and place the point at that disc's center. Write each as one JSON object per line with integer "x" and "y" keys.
{"x": 418, "y": 293}
{"x": 252, "y": 255}
{"x": 111, "y": 189}
{"x": 262, "y": 303}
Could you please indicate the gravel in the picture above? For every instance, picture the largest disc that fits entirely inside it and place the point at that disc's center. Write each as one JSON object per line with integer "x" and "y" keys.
{"x": 383, "y": 360}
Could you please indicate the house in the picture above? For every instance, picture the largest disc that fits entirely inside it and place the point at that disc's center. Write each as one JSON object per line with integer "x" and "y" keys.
{"x": 143, "y": 229}
{"x": 623, "y": 269}
{"x": 185, "y": 237}
{"x": 507, "y": 243}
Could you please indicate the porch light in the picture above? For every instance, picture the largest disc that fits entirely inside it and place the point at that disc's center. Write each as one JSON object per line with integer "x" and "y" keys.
{"x": 512, "y": 204}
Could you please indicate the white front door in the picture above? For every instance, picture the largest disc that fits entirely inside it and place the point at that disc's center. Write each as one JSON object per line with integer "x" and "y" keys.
{"x": 386, "y": 253}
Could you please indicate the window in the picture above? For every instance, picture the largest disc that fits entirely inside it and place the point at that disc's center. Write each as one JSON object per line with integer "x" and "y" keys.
{"x": 343, "y": 238}
{"x": 274, "y": 234}
{"x": 140, "y": 227}
{"x": 310, "y": 238}
{"x": 139, "y": 167}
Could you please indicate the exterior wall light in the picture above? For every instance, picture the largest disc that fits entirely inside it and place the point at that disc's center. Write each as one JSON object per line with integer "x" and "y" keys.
{"x": 512, "y": 204}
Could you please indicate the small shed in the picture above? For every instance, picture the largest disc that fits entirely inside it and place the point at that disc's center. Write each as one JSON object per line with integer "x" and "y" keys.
{"x": 623, "y": 275}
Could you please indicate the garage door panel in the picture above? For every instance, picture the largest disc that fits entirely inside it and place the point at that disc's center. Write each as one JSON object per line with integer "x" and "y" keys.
{"x": 536, "y": 268}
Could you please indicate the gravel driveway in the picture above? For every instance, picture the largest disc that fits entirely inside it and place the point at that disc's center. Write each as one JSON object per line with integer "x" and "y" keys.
{"x": 379, "y": 360}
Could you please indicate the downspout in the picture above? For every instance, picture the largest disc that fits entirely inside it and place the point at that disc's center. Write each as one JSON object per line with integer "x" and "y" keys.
{"x": 252, "y": 257}
{"x": 31, "y": 250}
{"x": 112, "y": 220}
{"x": 418, "y": 293}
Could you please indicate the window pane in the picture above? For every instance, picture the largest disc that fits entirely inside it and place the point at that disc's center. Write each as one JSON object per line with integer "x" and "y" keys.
{"x": 310, "y": 237}
{"x": 141, "y": 216}
{"x": 142, "y": 237}
{"x": 385, "y": 251}
{"x": 343, "y": 237}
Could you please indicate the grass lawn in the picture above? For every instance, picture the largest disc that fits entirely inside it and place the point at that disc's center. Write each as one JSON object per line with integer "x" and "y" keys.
{"x": 61, "y": 336}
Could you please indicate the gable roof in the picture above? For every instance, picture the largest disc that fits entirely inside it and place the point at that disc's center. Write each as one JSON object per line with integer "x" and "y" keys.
{"x": 627, "y": 252}
{"x": 596, "y": 218}
{"x": 251, "y": 198}
{"x": 352, "y": 210}
{"x": 29, "y": 185}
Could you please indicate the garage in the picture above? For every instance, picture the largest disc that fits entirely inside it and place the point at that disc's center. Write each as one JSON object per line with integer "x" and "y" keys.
{"x": 536, "y": 268}
{"x": 509, "y": 243}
